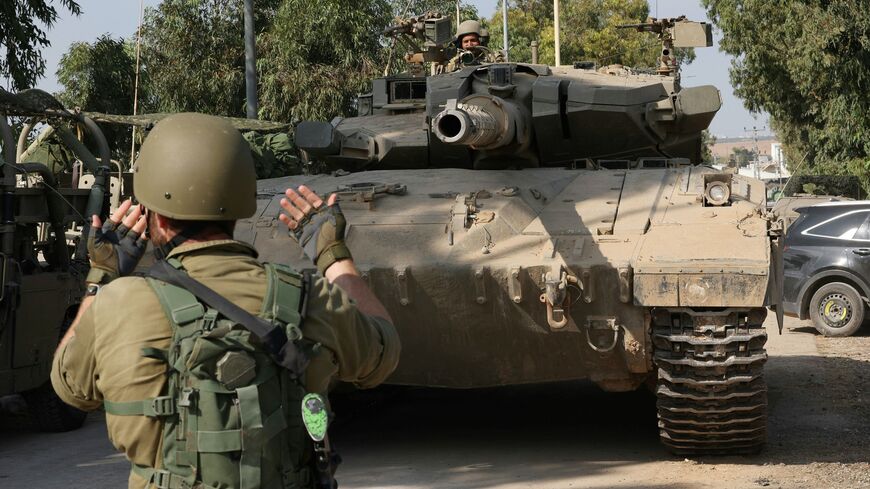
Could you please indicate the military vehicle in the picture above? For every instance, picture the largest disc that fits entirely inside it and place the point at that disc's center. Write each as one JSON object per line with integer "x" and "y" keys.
{"x": 43, "y": 260}
{"x": 526, "y": 223}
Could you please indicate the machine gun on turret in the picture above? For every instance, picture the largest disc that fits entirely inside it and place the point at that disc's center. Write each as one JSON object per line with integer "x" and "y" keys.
{"x": 427, "y": 38}
{"x": 676, "y": 32}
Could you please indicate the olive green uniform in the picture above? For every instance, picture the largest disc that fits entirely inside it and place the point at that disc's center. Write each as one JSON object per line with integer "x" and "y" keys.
{"x": 104, "y": 360}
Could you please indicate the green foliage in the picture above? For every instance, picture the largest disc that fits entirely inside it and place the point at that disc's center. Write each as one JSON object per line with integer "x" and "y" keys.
{"x": 807, "y": 63}
{"x": 445, "y": 7}
{"x": 313, "y": 56}
{"x": 195, "y": 54}
{"x": 22, "y": 37}
{"x": 707, "y": 142}
{"x": 317, "y": 56}
{"x": 588, "y": 32}
{"x": 742, "y": 156}
{"x": 523, "y": 28}
{"x": 836, "y": 185}
{"x": 100, "y": 77}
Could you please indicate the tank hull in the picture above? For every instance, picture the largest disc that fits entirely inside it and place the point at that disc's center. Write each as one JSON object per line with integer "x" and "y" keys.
{"x": 462, "y": 258}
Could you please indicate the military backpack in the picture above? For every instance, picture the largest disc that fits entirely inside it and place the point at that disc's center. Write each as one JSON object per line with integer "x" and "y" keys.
{"x": 231, "y": 412}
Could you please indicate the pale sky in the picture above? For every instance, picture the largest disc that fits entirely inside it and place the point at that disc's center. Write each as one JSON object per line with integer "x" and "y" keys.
{"x": 120, "y": 18}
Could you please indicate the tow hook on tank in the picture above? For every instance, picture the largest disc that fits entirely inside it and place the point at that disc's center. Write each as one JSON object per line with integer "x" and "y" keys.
{"x": 365, "y": 193}
{"x": 602, "y": 323}
{"x": 555, "y": 294}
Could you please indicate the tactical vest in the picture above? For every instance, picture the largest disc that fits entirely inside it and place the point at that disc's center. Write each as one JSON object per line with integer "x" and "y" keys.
{"x": 231, "y": 414}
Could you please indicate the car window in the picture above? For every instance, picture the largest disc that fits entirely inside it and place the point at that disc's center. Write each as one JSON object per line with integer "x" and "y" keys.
{"x": 843, "y": 226}
{"x": 864, "y": 231}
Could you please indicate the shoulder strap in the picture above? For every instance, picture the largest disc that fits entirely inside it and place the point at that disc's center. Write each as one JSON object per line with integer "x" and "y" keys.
{"x": 273, "y": 338}
{"x": 181, "y": 306}
{"x": 284, "y": 298}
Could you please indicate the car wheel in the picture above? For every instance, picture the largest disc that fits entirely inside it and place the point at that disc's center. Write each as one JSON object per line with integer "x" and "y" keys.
{"x": 837, "y": 309}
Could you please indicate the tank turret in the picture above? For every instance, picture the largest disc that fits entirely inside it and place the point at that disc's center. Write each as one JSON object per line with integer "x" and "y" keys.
{"x": 502, "y": 115}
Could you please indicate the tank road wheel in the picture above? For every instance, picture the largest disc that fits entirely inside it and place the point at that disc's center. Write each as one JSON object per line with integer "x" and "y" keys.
{"x": 712, "y": 398}
{"x": 837, "y": 309}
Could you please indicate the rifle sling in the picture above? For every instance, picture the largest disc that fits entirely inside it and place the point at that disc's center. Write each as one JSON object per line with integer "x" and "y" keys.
{"x": 272, "y": 337}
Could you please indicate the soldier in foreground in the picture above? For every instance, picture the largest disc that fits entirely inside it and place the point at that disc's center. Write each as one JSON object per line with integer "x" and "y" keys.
{"x": 209, "y": 366}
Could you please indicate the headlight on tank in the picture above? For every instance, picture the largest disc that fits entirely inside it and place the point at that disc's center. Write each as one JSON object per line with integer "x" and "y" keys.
{"x": 717, "y": 193}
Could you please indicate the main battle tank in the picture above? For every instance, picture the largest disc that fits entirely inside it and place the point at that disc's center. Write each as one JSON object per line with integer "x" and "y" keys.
{"x": 526, "y": 223}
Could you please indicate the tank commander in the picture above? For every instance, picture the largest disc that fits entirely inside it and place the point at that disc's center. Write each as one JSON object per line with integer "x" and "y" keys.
{"x": 471, "y": 44}
{"x": 203, "y": 363}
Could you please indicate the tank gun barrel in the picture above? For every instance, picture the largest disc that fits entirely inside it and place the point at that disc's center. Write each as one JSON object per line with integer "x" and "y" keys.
{"x": 479, "y": 121}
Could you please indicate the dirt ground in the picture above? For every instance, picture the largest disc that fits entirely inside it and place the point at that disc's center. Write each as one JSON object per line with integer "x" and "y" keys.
{"x": 566, "y": 435}
{"x": 572, "y": 435}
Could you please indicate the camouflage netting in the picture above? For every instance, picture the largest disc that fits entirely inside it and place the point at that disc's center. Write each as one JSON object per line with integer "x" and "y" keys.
{"x": 148, "y": 120}
{"x": 37, "y": 103}
{"x": 32, "y": 103}
{"x": 271, "y": 144}
{"x": 274, "y": 154}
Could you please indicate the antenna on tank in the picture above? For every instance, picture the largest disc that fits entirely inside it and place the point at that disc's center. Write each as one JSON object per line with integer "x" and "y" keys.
{"x": 250, "y": 62}
{"x": 504, "y": 7}
{"x": 136, "y": 83}
{"x": 556, "y": 32}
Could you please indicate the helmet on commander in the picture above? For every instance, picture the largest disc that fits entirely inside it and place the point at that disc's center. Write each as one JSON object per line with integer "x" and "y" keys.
{"x": 196, "y": 167}
{"x": 470, "y": 29}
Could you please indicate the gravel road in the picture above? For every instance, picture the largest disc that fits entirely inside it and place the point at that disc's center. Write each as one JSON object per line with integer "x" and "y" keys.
{"x": 566, "y": 435}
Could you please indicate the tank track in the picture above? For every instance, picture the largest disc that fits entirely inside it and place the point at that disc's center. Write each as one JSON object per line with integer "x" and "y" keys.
{"x": 711, "y": 393}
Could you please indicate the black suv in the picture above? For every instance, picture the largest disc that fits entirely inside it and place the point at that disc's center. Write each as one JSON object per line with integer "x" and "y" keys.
{"x": 826, "y": 263}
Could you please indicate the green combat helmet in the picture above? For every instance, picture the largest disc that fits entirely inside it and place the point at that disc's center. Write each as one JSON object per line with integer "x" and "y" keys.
{"x": 211, "y": 180}
{"x": 465, "y": 28}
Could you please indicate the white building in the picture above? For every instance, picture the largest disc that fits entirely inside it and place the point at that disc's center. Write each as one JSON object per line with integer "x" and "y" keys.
{"x": 776, "y": 153}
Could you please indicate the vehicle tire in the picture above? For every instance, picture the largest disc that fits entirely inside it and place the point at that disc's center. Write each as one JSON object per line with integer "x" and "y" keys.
{"x": 50, "y": 413}
{"x": 837, "y": 309}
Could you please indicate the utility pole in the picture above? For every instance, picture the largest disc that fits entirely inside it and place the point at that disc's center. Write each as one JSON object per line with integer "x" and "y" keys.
{"x": 504, "y": 7}
{"x": 755, "y": 131}
{"x": 556, "y": 32}
{"x": 250, "y": 61}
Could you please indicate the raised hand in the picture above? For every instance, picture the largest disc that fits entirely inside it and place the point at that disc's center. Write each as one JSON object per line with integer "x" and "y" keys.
{"x": 318, "y": 228}
{"x": 116, "y": 247}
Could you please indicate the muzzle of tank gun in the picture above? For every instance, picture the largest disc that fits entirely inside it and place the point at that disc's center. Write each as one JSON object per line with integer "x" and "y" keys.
{"x": 478, "y": 121}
